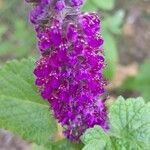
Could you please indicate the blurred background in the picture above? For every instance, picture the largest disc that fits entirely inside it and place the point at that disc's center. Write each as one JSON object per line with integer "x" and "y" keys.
{"x": 125, "y": 29}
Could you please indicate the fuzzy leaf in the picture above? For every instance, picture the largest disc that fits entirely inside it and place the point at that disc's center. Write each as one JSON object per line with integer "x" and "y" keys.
{"x": 95, "y": 145}
{"x": 32, "y": 121}
{"x": 17, "y": 81}
{"x": 22, "y": 110}
{"x": 96, "y": 139}
{"x": 130, "y": 123}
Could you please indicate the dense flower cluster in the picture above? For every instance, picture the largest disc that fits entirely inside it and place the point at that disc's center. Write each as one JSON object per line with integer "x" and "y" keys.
{"x": 69, "y": 72}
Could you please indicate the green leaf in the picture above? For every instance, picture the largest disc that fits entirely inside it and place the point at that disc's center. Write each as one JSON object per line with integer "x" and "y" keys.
{"x": 96, "y": 139}
{"x": 105, "y": 4}
{"x": 32, "y": 121}
{"x": 66, "y": 145}
{"x": 22, "y": 110}
{"x": 17, "y": 81}
{"x": 62, "y": 144}
{"x": 129, "y": 127}
{"x": 95, "y": 145}
{"x": 130, "y": 124}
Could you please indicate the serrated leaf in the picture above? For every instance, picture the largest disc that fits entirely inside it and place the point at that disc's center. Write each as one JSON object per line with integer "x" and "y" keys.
{"x": 129, "y": 127}
{"x": 17, "y": 81}
{"x": 30, "y": 120}
{"x": 22, "y": 110}
{"x": 96, "y": 139}
{"x": 130, "y": 123}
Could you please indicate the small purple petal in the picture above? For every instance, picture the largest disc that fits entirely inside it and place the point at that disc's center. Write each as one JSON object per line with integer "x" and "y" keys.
{"x": 60, "y": 5}
{"x": 76, "y": 2}
{"x": 95, "y": 42}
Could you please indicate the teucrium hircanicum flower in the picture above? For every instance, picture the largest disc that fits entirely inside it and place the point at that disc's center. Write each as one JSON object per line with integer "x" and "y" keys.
{"x": 69, "y": 72}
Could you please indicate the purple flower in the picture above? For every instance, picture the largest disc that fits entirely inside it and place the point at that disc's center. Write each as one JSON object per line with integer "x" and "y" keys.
{"x": 69, "y": 72}
{"x": 60, "y": 5}
{"x": 36, "y": 13}
{"x": 76, "y": 2}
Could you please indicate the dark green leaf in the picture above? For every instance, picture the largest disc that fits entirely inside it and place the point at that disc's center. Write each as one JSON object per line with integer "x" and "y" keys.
{"x": 17, "y": 81}
{"x": 130, "y": 124}
{"x": 96, "y": 139}
{"x": 22, "y": 110}
{"x": 32, "y": 121}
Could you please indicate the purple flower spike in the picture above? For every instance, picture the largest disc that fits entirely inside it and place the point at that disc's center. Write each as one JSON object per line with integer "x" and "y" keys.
{"x": 69, "y": 71}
